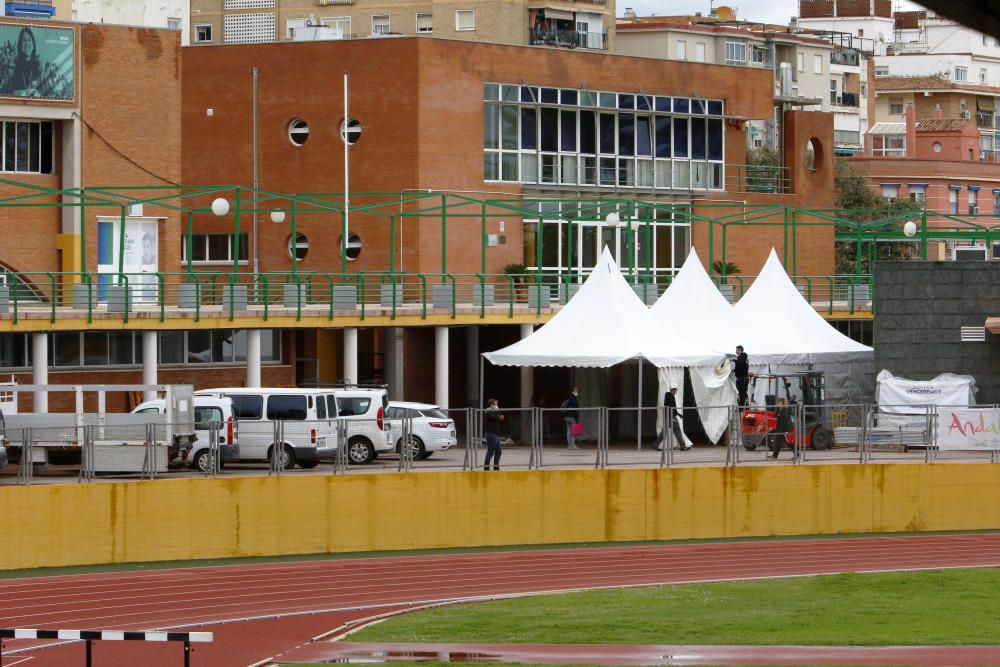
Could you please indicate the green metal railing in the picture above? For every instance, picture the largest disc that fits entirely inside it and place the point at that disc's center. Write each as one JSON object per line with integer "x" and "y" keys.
{"x": 330, "y": 295}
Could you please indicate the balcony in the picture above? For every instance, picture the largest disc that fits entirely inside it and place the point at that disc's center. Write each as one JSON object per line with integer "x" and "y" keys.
{"x": 847, "y": 138}
{"x": 844, "y": 99}
{"x": 985, "y": 120}
{"x": 850, "y": 57}
{"x": 571, "y": 39}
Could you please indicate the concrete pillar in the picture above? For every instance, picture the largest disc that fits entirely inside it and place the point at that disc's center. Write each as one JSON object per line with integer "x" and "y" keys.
{"x": 472, "y": 365}
{"x": 40, "y": 364}
{"x": 351, "y": 355}
{"x": 150, "y": 348}
{"x": 253, "y": 357}
{"x": 393, "y": 362}
{"x": 72, "y": 168}
{"x": 527, "y": 373}
{"x": 441, "y": 366}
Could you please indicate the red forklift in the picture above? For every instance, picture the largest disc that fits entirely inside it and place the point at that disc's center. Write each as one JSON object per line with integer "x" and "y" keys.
{"x": 759, "y": 424}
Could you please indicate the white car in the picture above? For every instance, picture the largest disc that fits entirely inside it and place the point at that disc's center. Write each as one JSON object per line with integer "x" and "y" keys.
{"x": 209, "y": 411}
{"x": 362, "y": 407}
{"x": 433, "y": 429}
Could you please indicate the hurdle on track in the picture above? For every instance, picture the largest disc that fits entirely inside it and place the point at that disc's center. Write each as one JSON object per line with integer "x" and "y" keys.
{"x": 90, "y": 636}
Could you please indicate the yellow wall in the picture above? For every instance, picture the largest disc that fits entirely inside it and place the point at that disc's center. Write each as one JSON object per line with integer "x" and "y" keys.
{"x": 172, "y": 519}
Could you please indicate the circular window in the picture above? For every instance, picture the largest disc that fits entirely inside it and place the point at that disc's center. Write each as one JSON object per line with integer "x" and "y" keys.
{"x": 298, "y": 131}
{"x": 353, "y": 249}
{"x": 350, "y": 130}
{"x": 936, "y": 146}
{"x": 299, "y": 245}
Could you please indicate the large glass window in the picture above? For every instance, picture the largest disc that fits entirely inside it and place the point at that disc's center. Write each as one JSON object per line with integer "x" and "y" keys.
{"x": 27, "y": 146}
{"x": 539, "y": 135}
{"x": 736, "y": 52}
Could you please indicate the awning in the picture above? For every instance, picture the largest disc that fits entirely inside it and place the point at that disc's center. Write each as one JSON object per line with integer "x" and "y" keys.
{"x": 557, "y": 14}
{"x": 984, "y": 103}
{"x": 888, "y": 128}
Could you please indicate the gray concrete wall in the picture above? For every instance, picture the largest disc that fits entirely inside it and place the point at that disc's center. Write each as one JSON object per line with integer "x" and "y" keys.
{"x": 920, "y": 308}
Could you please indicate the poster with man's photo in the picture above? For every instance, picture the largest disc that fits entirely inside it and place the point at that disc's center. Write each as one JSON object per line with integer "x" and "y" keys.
{"x": 141, "y": 260}
{"x": 36, "y": 61}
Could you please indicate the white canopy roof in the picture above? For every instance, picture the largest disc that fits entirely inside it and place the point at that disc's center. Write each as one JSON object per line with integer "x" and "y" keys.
{"x": 695, "y": 308}
{"x": 604, "y": 324}
{"x": 799, "y": 333}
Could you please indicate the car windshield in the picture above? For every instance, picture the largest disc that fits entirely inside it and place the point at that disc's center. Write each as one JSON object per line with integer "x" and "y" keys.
{"x": 205, "y": 416}
{"x": 435, "y": 413}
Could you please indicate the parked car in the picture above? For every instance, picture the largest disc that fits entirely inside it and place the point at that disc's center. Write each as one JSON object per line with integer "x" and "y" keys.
{"x": 3, "y": 439}
{"x": 363, "y": 408}
{"x": 432, "y": 429}
{"x": 310, "y": 434}
{"x": 208, "y": 411}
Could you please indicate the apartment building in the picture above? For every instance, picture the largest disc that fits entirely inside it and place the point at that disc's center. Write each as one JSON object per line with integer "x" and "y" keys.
{"x": 172, "y": 14}
{"x": 575, "y": 24}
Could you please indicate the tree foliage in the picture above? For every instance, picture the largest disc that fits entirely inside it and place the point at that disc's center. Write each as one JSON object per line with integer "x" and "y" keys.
{"x": 858, "y": 202}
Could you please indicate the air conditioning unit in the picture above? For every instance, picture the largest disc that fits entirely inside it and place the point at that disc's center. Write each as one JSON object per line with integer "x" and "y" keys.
{"x": 969, "y": 253}
{"x": 973, "y": 210}
{"x": 965, "y": 114}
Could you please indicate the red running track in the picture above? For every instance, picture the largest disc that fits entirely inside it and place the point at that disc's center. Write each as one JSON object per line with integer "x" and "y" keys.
{"x": 257, "y": 611}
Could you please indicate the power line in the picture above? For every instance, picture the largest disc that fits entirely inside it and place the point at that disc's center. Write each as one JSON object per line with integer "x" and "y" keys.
{"x": 123, "y": 155}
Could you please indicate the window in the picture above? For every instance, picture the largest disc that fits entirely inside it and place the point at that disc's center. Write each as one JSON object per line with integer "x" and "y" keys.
{"x": 465, "y": 19}
{"x": 248, "y": 407}
{"x": 353, "y": 249}
{"x": 953, "y": 199}
{"x": 800, "y": 61}
{"x": 817, "y": 64}
{"x": 203, "y": 32}
{"x": 890, "y": 191}
{"x": 213, "y": 248}
{"x": 864, "y": 89}
{"x": 983, "y": 75}
{"x": 996, "y": 203}
{"x": 973, "y": 200}
{"x": 425, "y": 23}
{"x": 380, "y": 25}
{"x": 699, "y": 52}
{"x": 895, "y": 107}
{"x": 889, "y": 145}
{"x": 353, "y": 406}
{"x": 206, "y": 416}
{"x": 27, "y": 147}
{"x": 350, "y": 131}
{"x": 681, "y": 50}
{"x": 861, "y": 32}
{"x": 758, "y": 55}
{"x": 341, "y": 23}
{"x": 918, "y": 194}
{"x": 174, "y": 23}
{"x": 961, "y": 73}
{"x": 298, "y": 247}
{"x": 298, "y": 131}
{"x": 736, "y": 52}
{"x": 882, "y": 70}
{"x": 289, "y": 407}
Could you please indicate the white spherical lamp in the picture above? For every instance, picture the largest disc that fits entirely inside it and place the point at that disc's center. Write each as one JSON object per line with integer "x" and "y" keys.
{"x": 613, "y": 219}
{"x": 910, "y": 228}
{"x": 277, "y": 217}
{"x": 220, "y": 207}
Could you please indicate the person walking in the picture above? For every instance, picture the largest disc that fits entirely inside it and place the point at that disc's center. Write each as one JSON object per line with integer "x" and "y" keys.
{"x": 571, "y": 415}
{"x": 672, "y": 420}
{"x": 741, "y": 368}
{"x": 492, "y": 419}
{"x": 777, "y": 439}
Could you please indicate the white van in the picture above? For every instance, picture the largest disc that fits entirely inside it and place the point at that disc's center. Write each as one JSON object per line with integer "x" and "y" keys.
{"x": 310, "y": 430}
{"x": 209, "y": 411}
{"x": 363, "y": 407}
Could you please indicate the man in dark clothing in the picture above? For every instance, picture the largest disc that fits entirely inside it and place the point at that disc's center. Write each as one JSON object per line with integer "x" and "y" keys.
{"x": 571, "y": 415}
{"x": 672, "y": 420}
{"x": 492, "y": 419}
{"x": 785, "y": 425}
{"x": 741, "y": 368}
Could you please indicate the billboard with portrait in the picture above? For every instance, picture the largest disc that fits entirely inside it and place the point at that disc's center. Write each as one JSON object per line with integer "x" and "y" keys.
{"x": 36, "y": 62}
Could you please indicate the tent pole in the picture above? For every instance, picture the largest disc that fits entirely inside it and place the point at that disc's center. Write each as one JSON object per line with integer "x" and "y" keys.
{"x": 638, "y": 413}
{"x": 480, "y": 382}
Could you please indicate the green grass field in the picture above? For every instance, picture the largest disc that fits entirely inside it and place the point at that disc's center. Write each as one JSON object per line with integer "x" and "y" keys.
{"x": 938, "y": 607}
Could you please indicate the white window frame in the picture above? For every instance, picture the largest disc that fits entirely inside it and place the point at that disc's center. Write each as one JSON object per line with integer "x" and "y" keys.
{"x": 699, "y": 52}
{"x": 890, "y": 192}
{"x": 680, "y": 50}
{"x": 882, "y": 70}
{"x": 800, "y": 62}
{"x": 961, "y": 74}
{"x": 377, "y": 23}
{"x": 458, "y": 22}
{"x": 174, "y": 23}
{"x": 430, "y": 18}
{"x": 341, "y": 23}
{"x": 918, "y": 195}
{"x": 817, "y": 64}
{"x": 199, "y": 26}
{"x": 736, "y": 52}
{"x": 983, "y": 75}
{"x": 894, "y": 105}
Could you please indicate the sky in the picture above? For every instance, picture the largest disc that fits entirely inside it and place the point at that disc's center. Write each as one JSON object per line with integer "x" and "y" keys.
{"x": 770, "y": 11}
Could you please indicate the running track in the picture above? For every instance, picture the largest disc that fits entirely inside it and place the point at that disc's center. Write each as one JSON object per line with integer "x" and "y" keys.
{"x": 261, "y": 610}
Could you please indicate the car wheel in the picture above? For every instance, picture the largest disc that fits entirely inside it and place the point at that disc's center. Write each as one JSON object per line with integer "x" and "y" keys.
{"x": 308, "y": 465}
{"x": 822, "y": 438}
{"x": 360, "y": 451}
{"x": 417, "y": 451}
{"x": 287, "y": 457}
{"x": 203, "y": 461}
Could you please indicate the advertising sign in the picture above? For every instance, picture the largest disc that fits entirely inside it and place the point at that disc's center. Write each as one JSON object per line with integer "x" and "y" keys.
{"x": 968, "y": 428}
{"x": 901, "y": 396}
{"x": 36, "y": 62}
